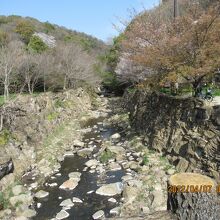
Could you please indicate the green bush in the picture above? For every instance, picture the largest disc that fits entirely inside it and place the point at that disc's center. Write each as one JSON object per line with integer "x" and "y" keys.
{"x": 36, "y": 45}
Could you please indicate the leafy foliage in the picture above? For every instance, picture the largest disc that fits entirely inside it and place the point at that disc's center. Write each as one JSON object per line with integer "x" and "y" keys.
{"x": 185, "y": 49}
{"x": 36, "y": 45}
{"x": 25, "y": 29}
{"x": 85, "y": 42}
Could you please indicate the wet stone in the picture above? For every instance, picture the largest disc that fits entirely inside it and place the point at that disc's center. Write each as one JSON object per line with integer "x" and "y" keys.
{"x": 41, "y": 194}
{"x": 98, "y": 215}
{"x": 62, "y": 215}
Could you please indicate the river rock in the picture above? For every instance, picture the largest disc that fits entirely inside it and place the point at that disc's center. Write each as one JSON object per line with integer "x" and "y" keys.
{"x": 98, "y": 214}
{"x": 62, "y": 215}
{"x": 21, "y": 218}
{"x": 16, "y": 190}
{"x": 41, "y": 194}
{"x": 114, "y": 166}
{"x": 115, "y": 137}
{"x": 182, "y": 165}
{"x": 112, "y": 200}
{"x": 117, "y": 150}
{"x": 92, "y": 163}
{"x": 111, "y": 189}
{"x": 77, "y": 200}
{"x": 115, "y": 211}
{"x": 75, "y": 175}
{"x": 52, "y": 184}
{"x": 70, "y": 184}
{"x": 67, "y": 203}
{"x": 127, "y": 178}
{"x": 78, "y": 143}
{"x": 170, "y": 171}
{"x": 85, "y": 152}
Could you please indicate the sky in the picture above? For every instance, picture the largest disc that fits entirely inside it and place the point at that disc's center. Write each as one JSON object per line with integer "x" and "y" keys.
{"x": 94, "y": 17}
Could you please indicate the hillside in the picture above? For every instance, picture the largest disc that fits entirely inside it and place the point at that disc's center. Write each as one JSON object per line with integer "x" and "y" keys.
{"x": 36, "y": 56}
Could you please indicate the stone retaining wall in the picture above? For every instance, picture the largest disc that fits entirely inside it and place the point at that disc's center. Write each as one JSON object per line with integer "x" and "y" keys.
{"x": 184, "y": 129}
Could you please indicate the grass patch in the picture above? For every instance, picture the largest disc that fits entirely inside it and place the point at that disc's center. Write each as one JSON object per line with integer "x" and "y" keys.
{"x": 145, "y": 160}
{"x": 4, "y": 202}
{"x": 4, "y": 137}
{"x": 56, "y": 133}
{"x": 131, "y": 90}
{"x": 52, "y": 116}
{"x": 11, "y": 97}
{"x": 5, "y": 196}
{"x": 59, "y": 104}
{"x": 106, "y": 156}
{"x": 216, "y": 92}
{"x": 2, "y": 100}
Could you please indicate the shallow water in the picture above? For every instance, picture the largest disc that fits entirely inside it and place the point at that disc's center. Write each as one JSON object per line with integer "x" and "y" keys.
{"x": 89, "y": 182}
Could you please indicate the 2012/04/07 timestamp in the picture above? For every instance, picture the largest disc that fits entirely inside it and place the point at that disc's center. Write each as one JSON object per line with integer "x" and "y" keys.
{"x": 193, "y": 188}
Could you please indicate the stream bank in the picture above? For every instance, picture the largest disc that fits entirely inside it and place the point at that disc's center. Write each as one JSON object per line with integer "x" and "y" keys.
{"x": 108, "y": 152}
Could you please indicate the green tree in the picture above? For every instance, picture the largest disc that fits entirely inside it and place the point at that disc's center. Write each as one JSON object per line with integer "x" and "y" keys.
{"x": 26, "y": 30}
{"x": 36, "y": 45}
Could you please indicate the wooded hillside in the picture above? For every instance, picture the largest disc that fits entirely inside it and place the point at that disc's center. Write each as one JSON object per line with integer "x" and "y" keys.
{"x": 36, "y": 56}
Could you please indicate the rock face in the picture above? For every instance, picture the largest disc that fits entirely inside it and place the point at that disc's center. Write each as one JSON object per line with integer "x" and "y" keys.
{"x": 184, "y": 129}
{"x": 33, "y": 119}
{"x": 47, "y": 39}
{"x": 110, "y": 189}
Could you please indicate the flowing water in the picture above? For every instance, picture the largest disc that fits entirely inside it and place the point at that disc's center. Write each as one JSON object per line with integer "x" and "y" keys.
{"x": 89, "y": 182}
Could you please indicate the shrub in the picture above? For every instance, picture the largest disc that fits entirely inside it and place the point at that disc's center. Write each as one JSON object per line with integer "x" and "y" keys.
{"x": 36, "y": 45}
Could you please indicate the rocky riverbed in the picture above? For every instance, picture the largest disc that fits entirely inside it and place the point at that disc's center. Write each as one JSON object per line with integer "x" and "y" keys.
{"x": 107, "y": 173}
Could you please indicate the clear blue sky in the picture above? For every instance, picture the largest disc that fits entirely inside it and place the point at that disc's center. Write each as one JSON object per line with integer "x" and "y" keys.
{"x": 94, "y": 17}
